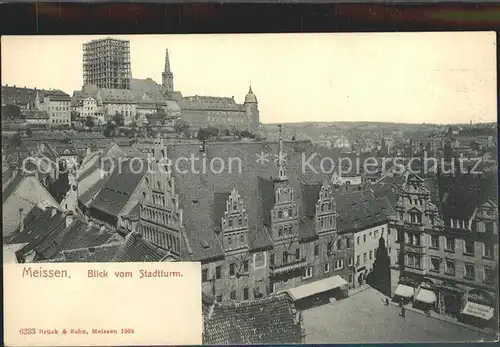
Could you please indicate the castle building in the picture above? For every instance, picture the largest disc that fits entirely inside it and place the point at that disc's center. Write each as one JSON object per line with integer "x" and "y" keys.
{"x": 449, "y": 254}
{"x": 221, "y": 112}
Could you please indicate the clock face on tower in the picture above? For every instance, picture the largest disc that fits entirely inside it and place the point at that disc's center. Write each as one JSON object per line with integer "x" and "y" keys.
{"x": 285, "y": 213}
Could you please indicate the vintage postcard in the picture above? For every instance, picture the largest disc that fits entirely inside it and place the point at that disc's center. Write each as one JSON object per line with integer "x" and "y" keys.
{"x": 248, "y": 189}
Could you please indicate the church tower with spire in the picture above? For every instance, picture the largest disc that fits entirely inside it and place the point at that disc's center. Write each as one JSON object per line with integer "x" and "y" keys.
{"x": 167, "y": 77}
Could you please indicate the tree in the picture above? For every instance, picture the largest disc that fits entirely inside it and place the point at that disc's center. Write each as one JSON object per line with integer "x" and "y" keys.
{"x": 205, "y": 134}
{"x": 15, "y": 140}
{"x": 10, "y": 112}
{"x": 89, "y": 122}
{"x": 247, "y": 134}
{"x": 181, "y": 127}
{"x": 380, "y": 277}
{"x": 119, "y": 119}
{"x": 110, "y": 129}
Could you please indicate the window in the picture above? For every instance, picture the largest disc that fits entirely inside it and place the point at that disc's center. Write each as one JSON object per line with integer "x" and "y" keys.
{"x": 488, "y": 275}
{"x": 348, "y": 243}
{"x": 469, "y": 247}
{"x": 350, "y": 278}
{"x": 488, "y": 226}
{"x": 364, "y": 238}
{"x": 232, "y": 269}
{"x": 259, "y": 260}
{"x": 339, "y": 244}
{"x": 364, "y": 257}
{"x": 357, "y": 260}
{"x": 399, "y": 236}
{"x": 272, "y": 259}
{"x": 349, "y": 261}
{"x": 450, "y": 244}
{"x": 329, "y": 246}
{"x": 414, "y": 261}
{"x": 357, "y": 240}
{"x": 435, "y": 241}
{"x": 316, "y": 250}
{"x": 245, "y": 266}
{"x": 280, "y": 231}
{"x": 280, "y": 214}
{"x": 204, "y": 275}
{"x": 307, "y": 272}
{"x": 219, "y": 298}
{"x": 376, "y": 234}
{"x": 297, "y": 253}
{"x": 327, "y": 267}
{"x": 435, "y": 264}
{"x": 285, "y": 257}
{"x": 339, "y": 264}
{"x": 233, "y": 295}
{"x": 469, "y": 271}
{"x": 245, "y": 294}
{"x": 487, "y": 251}
{"x": 450, "y": 267}
{"x": 370, "y": 234}
{"x": 218, "y": 272}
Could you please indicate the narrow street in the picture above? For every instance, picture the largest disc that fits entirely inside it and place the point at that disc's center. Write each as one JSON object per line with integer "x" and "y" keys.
{"x": 363, "y": 318}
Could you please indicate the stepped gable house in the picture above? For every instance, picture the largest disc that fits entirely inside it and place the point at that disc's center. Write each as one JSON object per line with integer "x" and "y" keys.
{"x": 265, "y": 229}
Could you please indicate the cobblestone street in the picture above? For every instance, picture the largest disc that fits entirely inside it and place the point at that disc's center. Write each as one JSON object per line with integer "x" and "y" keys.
{"x": 364, "y": 318}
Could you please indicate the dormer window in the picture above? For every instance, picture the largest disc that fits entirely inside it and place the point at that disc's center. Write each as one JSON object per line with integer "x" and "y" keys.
{"x": 280, "y": 214}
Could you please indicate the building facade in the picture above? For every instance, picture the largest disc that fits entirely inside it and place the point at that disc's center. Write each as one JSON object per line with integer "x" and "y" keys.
{"x": 57, "y": 105}
{"x": 451, "y": 251}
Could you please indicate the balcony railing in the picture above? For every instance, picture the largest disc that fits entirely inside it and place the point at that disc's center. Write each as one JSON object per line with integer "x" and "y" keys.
{"x": 413, "y": 226}
{"x": 287, "y": 267}
{"x": 416, "y": 249}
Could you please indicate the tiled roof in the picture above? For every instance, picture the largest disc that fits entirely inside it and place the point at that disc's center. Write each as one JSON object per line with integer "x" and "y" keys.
{"x": 176, "y": 96}
{"x": 92, "y": 191}
{"x": 463, "y": 194}
{"x": 210, "y": 103}
{"x": 54, "y": 95}
{"x": 99, "y": 254}
{"x": 11, "y": 187}
{"x": 269, "y": 320}
{"x": 383, "y": 191}
{"x": 33, "y": 226}
{"x": 259, "y": 238}
{"x": 310, "y": 196}
{"x": 197, "y": 190}
{"x": 112, "y": 96}
{"x": 17, "y": 95}
{"x": 361, "y": 210}
{"x": 137, "y": 249}
{"x": 39, "y": 230}
{"x": 119, "y": 187}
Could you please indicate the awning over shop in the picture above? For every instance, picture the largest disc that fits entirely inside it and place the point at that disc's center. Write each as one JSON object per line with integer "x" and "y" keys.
{"x": 427, "y": 296}
{"x": 317, "y": 287}
{"x": 477, "y": 310}
{"x": 404, "y": 291}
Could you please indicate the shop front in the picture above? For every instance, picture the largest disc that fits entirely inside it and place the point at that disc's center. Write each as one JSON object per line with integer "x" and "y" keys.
{"x": 318, "y": 292}
{"x": 478, "y": 308}
{"x": 425, "y": 298}
{"x": 405, "y": 291}
{"x": 450, "y": 299}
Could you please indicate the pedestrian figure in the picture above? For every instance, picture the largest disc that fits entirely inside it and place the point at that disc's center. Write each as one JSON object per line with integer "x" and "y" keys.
{"x": 401, "y": 303}
{"x": 386, "y": 301}
{"x": 403, "y": 312}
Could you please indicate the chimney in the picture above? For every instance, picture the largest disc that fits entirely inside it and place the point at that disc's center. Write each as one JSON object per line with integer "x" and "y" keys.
{"x": 69, "y": 218}
{"x": 21, "y": 220}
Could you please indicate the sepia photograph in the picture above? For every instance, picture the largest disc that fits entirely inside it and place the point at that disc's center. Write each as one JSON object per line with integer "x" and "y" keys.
{"x": 334, "y": 188}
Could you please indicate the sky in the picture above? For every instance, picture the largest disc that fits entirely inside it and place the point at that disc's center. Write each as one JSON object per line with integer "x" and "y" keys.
{"x": 382, "y": 77}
